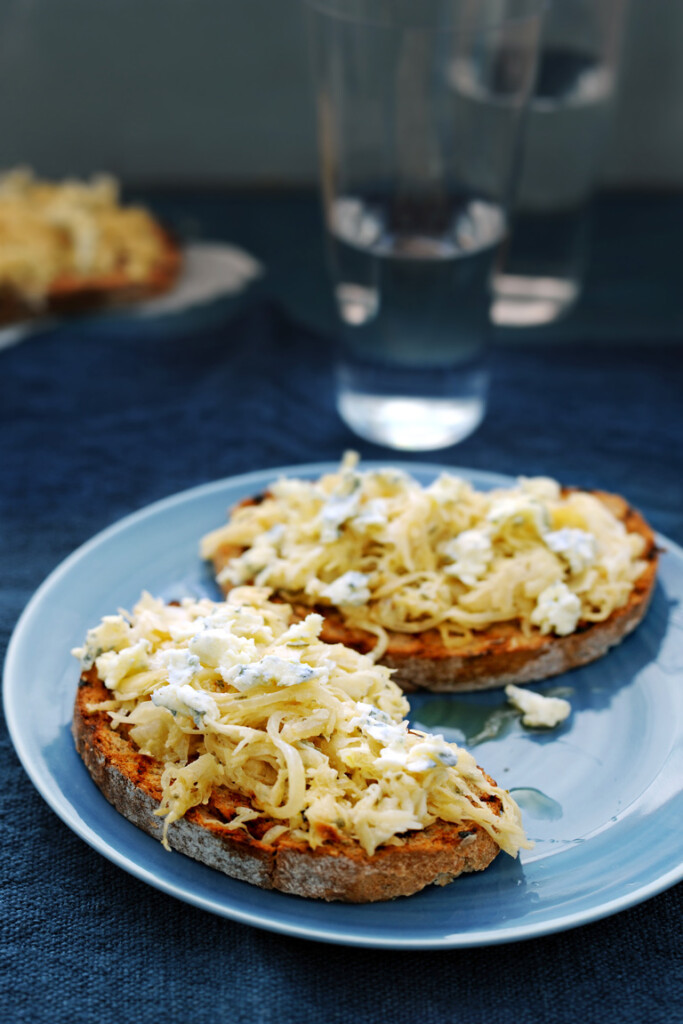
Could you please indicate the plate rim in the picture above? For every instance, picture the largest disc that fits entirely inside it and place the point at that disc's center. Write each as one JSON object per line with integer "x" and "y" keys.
{"x": 68, "y": 812}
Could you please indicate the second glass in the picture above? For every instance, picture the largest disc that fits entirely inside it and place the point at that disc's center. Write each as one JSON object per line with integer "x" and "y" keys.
{"x": 541, "y": 275}
{"x": 419, "y": 108}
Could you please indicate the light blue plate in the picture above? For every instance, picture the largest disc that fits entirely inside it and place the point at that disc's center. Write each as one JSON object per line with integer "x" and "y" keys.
{"x": 601, "y": 795}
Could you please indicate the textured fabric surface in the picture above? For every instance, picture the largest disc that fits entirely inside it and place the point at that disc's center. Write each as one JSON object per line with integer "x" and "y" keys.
{"x": 96, "y": 423}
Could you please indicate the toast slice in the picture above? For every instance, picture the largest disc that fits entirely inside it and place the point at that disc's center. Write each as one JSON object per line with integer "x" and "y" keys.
{"x": 500, "y": 653}
{"x": 217, "y": 757}
{"x": 79, "y": 294}
{"x": 71, "y": 248}
{"x": 337, "y": 870}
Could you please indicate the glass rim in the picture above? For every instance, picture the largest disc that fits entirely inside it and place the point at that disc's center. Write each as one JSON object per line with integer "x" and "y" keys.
{"x": 334, "y": 9}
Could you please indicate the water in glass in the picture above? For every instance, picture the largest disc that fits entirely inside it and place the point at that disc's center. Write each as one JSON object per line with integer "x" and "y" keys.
{"x": 542, "y": 272}
{"x": 413, "y": 295}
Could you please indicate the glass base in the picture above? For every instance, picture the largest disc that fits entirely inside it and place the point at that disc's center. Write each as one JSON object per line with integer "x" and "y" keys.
{"x": 410, "y": 424}
{"x": 521, "y": 301}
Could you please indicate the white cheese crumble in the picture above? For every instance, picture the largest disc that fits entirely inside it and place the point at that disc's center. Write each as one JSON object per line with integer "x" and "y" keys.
{"x": 423, "y": 757}
{"x": 216, "y": 647}
{"x": 179, "y": 666}
{"x": 577, "y": 547}
{"x": 339, "y": 508}
{"x": 303, "y": 633}
{"x": 272, "y": 670}
{"x": 112, "y": 634}
{"x": 471, "y": 553}
{"x": 349, "y": 589}
{"x": 372, "y": 513}
{"x": 538, "y": 711}
{"x": 520, "y": 509}
{"x": 185, "y": 700}
{"x": 557, "y": 610}
{"x": 378, "y": 724}
{"x": 255, "y": 559}
{"x": 433, "y": 751}
{"x": 113, "y": 666}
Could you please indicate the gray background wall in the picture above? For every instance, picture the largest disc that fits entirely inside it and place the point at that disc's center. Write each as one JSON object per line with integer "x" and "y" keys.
{"x": 218, "y": 92}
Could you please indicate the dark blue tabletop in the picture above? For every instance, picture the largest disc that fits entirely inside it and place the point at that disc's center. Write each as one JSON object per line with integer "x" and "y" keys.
{"x": 97, "y": 419}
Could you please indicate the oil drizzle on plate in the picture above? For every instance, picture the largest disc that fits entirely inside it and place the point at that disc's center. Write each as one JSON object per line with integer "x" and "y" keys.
{"x": 537, "y": 804}
{"x": 468, "y": 722}
{"x": 464, "y": 722}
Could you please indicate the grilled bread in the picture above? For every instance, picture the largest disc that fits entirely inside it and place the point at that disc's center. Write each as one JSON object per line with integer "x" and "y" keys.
{"x": 220, "y": 816}
{"x": 487, "y": 654}
{"x": 339, "y": 869}
{"x": 71, "y": 247}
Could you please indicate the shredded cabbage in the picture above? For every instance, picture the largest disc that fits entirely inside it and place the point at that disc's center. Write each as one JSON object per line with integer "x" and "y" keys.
{"x": 393, "y": 555}
{"x": 313, "y": 735}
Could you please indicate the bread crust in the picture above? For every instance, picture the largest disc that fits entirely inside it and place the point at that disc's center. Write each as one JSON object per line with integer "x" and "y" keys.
{"x": 75, "y": 294}
{"x": 502, "y": 653}
{"x": 339, "y": 869}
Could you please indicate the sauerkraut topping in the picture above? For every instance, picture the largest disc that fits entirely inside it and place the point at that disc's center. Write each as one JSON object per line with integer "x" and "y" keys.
{"x": 314, "y": 735}
{"x": 394, "y": 555}
{"x": 70, "y": 229}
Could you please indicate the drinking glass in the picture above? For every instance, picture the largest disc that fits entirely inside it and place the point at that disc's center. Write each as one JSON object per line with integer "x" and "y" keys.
{"x": 419, "y": 107}
{"x": 541, "y": 274}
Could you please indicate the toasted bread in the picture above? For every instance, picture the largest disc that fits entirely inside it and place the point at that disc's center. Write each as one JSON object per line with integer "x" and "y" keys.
{"x": 71, "y": 247}
{"x": 77, "y": 294}
{"x": 339, "y": 869}
{"x": 501, "y": 653}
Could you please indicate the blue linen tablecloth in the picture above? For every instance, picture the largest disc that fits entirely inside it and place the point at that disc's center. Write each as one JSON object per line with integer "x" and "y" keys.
{"x": 96, "y": 421}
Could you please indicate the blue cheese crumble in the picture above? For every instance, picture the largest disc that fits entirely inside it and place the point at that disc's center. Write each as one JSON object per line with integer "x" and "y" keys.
{"x": 471, "y": 553}
{"x": 273, "y": 670}
{"x": 538, "y": 712}
{"x": 428, "y": 753}
{"x": 578, "y": 547}
{"x": 185, "y": 700}
{"x": 557, "y": 610}
{"x": 349, "y": 589}
{"x": 521, "y": 509}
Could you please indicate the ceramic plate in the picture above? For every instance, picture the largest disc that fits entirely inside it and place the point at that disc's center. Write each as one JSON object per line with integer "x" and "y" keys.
{"x": 601, "y": 795}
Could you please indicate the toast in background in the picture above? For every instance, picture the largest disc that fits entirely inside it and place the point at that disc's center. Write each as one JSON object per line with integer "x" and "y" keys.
{"x": 70, "y": 247}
